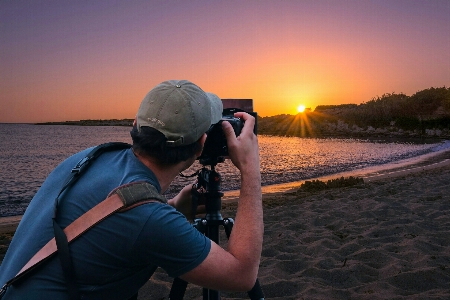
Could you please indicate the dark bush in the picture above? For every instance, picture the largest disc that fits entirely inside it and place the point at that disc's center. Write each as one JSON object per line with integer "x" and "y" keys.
{"x": 317, "y": 185}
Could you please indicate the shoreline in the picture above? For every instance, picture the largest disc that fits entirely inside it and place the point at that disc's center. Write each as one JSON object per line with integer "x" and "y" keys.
{"x": 370, "y": 174}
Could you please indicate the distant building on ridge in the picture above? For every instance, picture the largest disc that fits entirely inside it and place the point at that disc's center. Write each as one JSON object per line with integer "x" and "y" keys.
{"x": 244, "y": 104}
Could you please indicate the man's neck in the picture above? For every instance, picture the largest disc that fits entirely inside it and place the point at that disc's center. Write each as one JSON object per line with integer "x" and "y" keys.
{"x": 164, "y": 173}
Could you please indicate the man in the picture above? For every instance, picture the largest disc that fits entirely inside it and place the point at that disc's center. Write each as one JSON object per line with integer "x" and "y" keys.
{"x": 118, "y": 255}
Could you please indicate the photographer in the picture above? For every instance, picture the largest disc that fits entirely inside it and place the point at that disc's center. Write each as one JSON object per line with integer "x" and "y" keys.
{"x": 117, "y": 256}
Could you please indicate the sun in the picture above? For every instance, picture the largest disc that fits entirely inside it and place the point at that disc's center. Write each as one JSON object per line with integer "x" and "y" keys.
{"x": 301, "y": 108}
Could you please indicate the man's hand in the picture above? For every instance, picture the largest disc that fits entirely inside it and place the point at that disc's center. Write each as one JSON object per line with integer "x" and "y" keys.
{"x": 243, "y": 150}
{"x": 183, "y": 203}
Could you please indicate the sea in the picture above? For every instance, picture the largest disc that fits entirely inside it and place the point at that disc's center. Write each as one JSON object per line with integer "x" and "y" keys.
{"x": 29, "y": 152}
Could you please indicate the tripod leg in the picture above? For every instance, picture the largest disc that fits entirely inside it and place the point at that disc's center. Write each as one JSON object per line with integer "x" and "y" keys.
{"x": 178, "y": 289}
{"x": 210, "y": 294}
{"x": 256, "y": 292}
{"x": 228, "y": 226}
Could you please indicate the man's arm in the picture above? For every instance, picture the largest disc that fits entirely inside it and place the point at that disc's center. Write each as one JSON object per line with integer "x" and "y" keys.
{"x": 237, "y": 267}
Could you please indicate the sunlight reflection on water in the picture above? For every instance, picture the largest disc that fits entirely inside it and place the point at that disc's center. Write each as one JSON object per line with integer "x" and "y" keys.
{"x": 28, "y": 153}
{"x": 287, "y": 159}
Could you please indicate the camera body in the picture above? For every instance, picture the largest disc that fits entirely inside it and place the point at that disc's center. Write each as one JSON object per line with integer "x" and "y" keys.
{"x": 215, "y": 148}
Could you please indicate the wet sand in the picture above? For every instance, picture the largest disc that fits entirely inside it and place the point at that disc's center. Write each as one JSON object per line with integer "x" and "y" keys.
{"x": 388, "y": 238}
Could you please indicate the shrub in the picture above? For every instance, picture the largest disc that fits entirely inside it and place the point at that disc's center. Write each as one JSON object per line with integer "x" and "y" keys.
{"x": 317, "y": 185}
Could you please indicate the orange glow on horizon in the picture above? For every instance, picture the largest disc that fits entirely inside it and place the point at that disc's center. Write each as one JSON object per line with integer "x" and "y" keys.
{"x": 316, "y": 53}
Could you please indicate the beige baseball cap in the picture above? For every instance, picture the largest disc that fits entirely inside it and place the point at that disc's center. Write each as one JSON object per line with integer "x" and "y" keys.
{"x": 180, "y": 110}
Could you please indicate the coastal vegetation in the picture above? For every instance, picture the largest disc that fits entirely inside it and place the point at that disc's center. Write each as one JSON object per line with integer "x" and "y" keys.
{"x": 318, "y": 185}
{"x": 424, "y": 114}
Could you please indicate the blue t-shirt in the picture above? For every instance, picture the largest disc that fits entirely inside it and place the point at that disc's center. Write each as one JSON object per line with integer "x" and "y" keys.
{"x": 117, "y": 256}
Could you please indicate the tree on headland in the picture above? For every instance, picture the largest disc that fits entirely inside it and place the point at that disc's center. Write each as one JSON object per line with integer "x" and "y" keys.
{"x": 426, "y": 109}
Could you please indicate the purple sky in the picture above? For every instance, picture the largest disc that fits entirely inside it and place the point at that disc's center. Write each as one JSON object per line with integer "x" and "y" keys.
{"x": 62, "y": 60}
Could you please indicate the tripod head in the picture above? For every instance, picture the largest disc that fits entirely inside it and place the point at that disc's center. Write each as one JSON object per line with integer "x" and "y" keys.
{"x": 208, "y": 187}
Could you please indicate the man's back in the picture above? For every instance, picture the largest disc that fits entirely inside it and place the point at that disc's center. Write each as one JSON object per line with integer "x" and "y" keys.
{"x": 118, "y": 255}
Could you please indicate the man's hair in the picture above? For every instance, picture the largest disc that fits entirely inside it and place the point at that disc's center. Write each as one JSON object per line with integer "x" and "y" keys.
{"x": 151, "y": 142}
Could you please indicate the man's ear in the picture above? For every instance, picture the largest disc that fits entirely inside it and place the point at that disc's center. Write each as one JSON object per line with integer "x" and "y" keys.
{"x": 201, "y": 140}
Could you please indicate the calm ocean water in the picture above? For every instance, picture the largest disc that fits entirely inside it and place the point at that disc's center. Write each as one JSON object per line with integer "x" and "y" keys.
{"x": 28, "y": 153}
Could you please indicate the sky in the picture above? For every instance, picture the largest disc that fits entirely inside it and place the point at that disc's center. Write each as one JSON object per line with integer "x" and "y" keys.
{"x": 76, "y": 60}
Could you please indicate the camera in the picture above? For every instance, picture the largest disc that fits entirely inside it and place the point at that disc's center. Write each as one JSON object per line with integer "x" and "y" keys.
{"x": 215, "y": 148}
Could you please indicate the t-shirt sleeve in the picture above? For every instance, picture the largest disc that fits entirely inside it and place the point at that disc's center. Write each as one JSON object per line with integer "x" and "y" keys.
{"x": 169, "y": 241}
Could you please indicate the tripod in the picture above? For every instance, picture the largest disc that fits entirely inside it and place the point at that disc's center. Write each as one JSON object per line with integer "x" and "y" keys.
{"x": 210, "y": 181}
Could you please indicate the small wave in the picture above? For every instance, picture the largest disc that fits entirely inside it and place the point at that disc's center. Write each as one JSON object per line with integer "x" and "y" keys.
{"x": 442, "y": 146}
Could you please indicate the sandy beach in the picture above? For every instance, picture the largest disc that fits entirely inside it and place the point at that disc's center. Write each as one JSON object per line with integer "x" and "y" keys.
{"x": 388, "y": 238}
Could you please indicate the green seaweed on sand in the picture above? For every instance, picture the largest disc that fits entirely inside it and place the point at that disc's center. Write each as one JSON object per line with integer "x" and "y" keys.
{"x": 318, "y": 185}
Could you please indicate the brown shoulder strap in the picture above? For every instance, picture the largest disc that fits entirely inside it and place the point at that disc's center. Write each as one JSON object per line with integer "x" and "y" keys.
{"x": 123, "y": 198}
